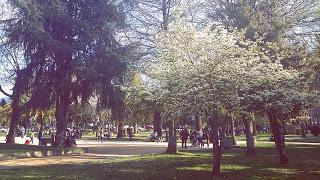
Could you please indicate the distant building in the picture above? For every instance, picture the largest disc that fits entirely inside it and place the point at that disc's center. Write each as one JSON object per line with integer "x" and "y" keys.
{"x": 315, "y": 116}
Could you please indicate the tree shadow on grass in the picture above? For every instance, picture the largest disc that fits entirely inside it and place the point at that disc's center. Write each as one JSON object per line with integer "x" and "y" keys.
{"x": 304, "y": 163}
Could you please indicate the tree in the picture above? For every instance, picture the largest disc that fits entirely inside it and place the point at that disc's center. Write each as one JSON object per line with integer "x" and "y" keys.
{"x": 197, "y": 72}
{"x": 80, "y": 114}
{"x": 138, "y": 101}
{"x": 59, "y": 40}
{"x": 274, "y": 25}
{"x": 271, "y": 19}
{"x": 13, "y": 72}
{"x": 146, "y": 18}
{"x": 278, "y": 92}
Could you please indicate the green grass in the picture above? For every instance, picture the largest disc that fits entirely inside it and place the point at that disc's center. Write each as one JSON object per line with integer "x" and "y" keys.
{"x": 289, "y": 138}
{"x": 141, "y": 136}
{"x": 304, "y": 163}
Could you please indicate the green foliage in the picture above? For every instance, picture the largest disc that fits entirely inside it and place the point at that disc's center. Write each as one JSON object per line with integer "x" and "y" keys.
{"x": 138, "y": 101}
{"x": 5, "y": 114}
{"x": 70, "y": 51}
{"x": 81, "y": 113}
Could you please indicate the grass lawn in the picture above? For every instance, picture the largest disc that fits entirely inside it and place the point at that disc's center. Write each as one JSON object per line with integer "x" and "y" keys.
{"x": 304, "y": 163}
{"x": 289, "y": 138}
{"x": 141, "y": 136}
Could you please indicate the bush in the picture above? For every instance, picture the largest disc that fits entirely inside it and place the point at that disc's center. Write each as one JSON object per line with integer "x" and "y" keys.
{"x": 315, "y": 130}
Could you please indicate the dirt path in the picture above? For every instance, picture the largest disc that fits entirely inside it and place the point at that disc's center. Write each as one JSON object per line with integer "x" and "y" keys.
{"x": 96, "y": 151}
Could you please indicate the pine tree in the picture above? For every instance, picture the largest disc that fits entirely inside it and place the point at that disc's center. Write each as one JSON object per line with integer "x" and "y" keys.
{"x": 70, "y": 45}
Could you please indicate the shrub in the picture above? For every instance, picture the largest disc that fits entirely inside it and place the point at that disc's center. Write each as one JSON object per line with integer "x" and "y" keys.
{"x": 315, "y": 130}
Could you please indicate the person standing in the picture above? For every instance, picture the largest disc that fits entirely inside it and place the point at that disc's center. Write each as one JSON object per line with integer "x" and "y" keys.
{"x": 101, "y": 135}
{"x": 184, "y": 136}
{"x": 206, "y": 137}
{"x": 199, "y": 137}
{"x": 130, "y": 132}
{"x": 40, "y": 137}
{"x": 31, "y": 137}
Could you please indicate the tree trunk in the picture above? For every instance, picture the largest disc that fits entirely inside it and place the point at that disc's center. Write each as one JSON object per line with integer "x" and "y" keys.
{"x": 157, "y": 122}
{"x": 233, "y": 134}
{"x": 165, "y": 14}
{"x": 61, "y": 114}
{"x": 238, "y": 127}
{"x": 217, "y": 150}
{"x": 198, "y": 123}
{"x": 135, "y": 128}
{"x": 249, "y": 135}
{"x": 16, "y": 110}
{"x": 254, "y": 126}
{"x": 278, "y": 137}
{"x": 172, "y": 142}
{"x": 120, "y": 130}
{"x": 222, "y": 132}
{"x": 303, "y": 130}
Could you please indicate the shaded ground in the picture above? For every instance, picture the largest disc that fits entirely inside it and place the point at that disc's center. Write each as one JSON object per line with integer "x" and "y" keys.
{"x": 129, "y": 160}
{"x": 124, "y": 149}
{"x": 304, "y": 163}
{"x": 96, "y": 151}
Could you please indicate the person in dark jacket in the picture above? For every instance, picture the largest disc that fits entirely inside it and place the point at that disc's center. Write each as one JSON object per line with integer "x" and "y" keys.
{"x": 40, "y": 137}
{"x": 184, "y": 137}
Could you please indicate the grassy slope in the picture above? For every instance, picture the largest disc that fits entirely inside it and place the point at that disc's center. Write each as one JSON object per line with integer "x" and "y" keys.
{"x": 304, "y": 163}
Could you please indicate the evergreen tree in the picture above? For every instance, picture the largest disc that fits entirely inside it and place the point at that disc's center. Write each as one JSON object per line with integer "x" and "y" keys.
{"x": 70, "y": 44}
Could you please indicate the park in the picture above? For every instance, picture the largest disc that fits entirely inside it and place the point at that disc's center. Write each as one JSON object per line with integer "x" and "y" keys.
{"x": 159, "y": 89}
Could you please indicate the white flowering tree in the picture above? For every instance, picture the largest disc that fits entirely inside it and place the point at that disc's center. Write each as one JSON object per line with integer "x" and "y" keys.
{"x": 201, "y": 71}
{"x": 277, "y": 90}
{"x": 205, "y": 71}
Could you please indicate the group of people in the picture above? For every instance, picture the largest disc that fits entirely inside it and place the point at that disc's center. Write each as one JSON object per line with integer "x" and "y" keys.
{"x": 197, "y": 138}
{"x": 156, "y": 136}
{"x": 70, "y": 137}
{"x": 103, "y": 135}
{"x": 70, "y": 140}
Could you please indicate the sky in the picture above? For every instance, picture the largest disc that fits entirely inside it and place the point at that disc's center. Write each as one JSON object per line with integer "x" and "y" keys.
{"x": 4, "y": 12}
{"x": 7, "y": 90}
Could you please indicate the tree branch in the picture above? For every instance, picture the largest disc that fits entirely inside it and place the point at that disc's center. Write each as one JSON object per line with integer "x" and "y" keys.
{"x": 3, "y": 92}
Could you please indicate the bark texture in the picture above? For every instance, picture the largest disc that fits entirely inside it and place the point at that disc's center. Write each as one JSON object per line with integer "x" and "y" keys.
{"x": 172, "y": 140}
{"x": 157, "y": 122}
{"x": 248, "y": 123}
{"x": 217, "y": 150}
{"x": 198, "y": 123}
{"x": 16, "y": 110}
{"x": 278, "y": 135}
{"x": 233, "y": 133}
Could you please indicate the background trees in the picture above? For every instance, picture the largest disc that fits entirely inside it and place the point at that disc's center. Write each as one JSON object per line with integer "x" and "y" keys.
{"x": 240, "y": 57}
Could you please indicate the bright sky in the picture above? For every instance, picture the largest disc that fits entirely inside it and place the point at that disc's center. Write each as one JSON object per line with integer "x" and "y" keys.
{"x": 7, "y": 90}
